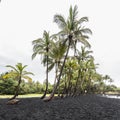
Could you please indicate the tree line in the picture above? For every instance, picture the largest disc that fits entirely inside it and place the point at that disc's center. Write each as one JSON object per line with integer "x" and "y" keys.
{"x": 9, "y": 82}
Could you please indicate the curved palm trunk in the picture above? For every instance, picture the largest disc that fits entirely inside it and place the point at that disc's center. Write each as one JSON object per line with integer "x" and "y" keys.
{"x": 61, "y": 70}
{"x": 65, "y": 87}
{"x": 56, "y": 72}
{"x": 44, "y": 95}
{"x": 17, "y": 89}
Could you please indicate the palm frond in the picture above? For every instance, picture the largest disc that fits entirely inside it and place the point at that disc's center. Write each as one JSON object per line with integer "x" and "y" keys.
{"x": 84, "y": 41}
{"x": 19, "y": 67}
{"x": 24, "y": 67}
{"x": 44, "y": 61}
{"x": 38, "y": 48}
{"x": 83, "y": 19}
{"x": 34, "y": 55}
{"x": 12, "y": 68}
{"x": 51, "y": 66}
{"x": 88, "y": 52}
{"x": 59, "y": 19}
{"x": 72, "y": 18}
{"x": 86, "y": 30}
{"x": 75, "y": 12}
{"x": 27, "y": 73}
{"x": 37, "y": 41}
{"x": 29, "y": 79}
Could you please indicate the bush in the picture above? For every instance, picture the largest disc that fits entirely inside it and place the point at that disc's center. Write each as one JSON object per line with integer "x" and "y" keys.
{"x": 7, "y": 86}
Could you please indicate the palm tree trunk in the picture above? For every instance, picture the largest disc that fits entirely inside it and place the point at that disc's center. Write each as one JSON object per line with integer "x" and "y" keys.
{"x": 64, "y": 90}
{"x": 17, "y": 89}
{"x": 61, "y": 70}
{"x": 44, "y": 95}
{"x": 56, "y": 72}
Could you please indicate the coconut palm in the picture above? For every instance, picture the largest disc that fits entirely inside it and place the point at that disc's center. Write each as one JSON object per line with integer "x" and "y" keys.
{"x": 82, "y": 56}
{"x": 71, "y": 33}
{"x": 71, "y": 71}
{"x": 106, "y": 78}
{"x": 56, "y": 55}
{"x": 41, "y": 46}
{"x": 90, "y": 73}
{"x": 21, "y": 74}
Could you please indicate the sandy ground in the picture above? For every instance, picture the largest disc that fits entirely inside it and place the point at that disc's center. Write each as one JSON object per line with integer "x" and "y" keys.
{"x": 87, "y": 107}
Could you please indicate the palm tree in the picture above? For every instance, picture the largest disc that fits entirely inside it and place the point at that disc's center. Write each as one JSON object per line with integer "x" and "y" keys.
{"x": 71, "y": 33}
{"x": 21, "y": 74}
{"x": 71, "y": 71}
{"x": 82, "y": 56}
{"x": 90, "y": 73}
{"x": 106, "y": 78}
{"x": 41, "y": 46}
{"x": 56, "y": 54}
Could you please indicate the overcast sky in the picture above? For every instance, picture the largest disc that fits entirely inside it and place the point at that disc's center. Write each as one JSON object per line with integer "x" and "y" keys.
{"x": 22, "y": 21}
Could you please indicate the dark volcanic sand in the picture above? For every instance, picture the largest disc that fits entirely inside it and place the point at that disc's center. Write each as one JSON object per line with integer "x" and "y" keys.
{"x": 87, "y": 107}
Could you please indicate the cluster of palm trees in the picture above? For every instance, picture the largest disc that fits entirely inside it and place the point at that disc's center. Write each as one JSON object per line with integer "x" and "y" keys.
{"x": 68, "y": 52}
{"x": 74, "y": 65}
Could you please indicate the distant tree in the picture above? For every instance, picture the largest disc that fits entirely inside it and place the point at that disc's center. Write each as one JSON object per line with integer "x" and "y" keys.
{"x": 7, "y": 86}
{"x": 106, "y": 79}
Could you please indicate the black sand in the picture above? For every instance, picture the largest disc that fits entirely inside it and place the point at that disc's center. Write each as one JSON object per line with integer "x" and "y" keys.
{"x": 87, "y": 107}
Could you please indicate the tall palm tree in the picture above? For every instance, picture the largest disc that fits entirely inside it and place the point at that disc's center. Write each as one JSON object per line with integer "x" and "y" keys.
{"x": 21, "y": 74}
{"x": 41, "y": 46}
{"x": 72, "y": 32}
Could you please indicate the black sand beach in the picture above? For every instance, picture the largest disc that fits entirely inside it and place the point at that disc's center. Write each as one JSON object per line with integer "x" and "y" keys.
{"x": 87, "y": 107}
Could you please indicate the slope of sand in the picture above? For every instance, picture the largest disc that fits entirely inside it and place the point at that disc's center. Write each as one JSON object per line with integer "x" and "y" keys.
{"x": 87, "y": 107}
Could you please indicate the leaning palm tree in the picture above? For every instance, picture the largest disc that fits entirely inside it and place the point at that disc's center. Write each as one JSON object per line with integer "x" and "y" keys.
{"x": 71, "y": 33}
{"x": 21, "y": 74}
{"x": 41, "y": 46}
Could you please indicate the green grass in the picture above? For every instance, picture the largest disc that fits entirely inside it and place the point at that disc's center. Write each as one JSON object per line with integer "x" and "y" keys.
{"x": 23, "y": 96}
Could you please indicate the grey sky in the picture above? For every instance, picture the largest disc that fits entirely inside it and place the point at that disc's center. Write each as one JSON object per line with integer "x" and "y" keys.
{"x": 22, "y": 21}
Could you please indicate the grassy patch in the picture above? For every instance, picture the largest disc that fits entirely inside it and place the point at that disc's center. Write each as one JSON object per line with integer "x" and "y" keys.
{"x": 24, "y": 96}
{"x": 21, "y": 96}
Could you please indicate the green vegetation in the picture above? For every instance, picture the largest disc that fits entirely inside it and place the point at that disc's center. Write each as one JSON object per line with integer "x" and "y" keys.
{"x": 20, "y": 74}
{"x": 8, "y": 86}
{"x": 21, "y": 96}
{"x": 24, "y": 96}
{"x": 70, "y": 54}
